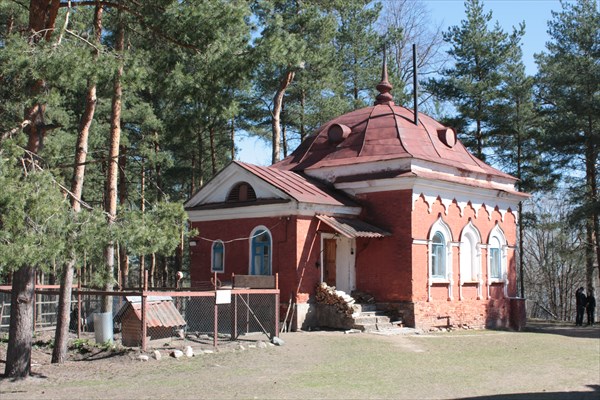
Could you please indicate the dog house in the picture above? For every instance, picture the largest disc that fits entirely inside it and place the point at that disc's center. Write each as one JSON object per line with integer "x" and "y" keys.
{"x": 162, "y": 318}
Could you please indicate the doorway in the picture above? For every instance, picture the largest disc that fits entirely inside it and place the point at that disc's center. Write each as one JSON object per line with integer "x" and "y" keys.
{"x": 338, "y": 261}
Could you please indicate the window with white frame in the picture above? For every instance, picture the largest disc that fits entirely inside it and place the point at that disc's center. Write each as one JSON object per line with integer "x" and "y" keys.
{"x": 218, "y": 256}
{"x": 496, "y": 255}
{"x": 439, "y": 259}
{"x": 470, "y": 260}
{"x": 438, "y": 256}
{"x": 260, "y": 252}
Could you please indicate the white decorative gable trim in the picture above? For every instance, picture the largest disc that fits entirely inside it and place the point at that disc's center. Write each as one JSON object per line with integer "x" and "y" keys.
{"x": 478, "y": 198}
{"x": 218, "y": 188}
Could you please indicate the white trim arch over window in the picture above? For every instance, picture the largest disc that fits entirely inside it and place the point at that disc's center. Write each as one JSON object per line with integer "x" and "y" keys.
{"x": 217, "y": 263}
{"x": 440, "y": 255}
{"x": 261, "y": 251}
{"x": 470, "y": 254}
{"x": 496, "y": 259}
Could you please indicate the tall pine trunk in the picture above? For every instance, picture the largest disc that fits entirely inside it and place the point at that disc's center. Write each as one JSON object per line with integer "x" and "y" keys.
{"x": 59, "y": 352}
{"x": 18, "y": 354}
{"x": 42, "y": 18}
{"x": 142, "y": 209}
{"x": 112, "y": 173}
{"x": 276, "y": 117}
{"x": 123, "y": 194}
{"x": 592, "y": 247}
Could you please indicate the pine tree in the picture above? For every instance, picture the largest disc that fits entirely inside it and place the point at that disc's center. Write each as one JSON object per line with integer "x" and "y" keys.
{"x": 291, "y": 34}
{"x": 569, "y": 89}
{"x": 479, "y": 54}
{"x": 515, "y": 137}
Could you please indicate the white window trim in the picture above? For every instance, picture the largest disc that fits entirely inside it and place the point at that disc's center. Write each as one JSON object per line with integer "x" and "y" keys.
{"x": 476, "y": 270}
{"x": 250, "y": 249}
{"x": 498, "y": 234}
{"x": 440, "y": 226}
{"x": 212, "y": 257}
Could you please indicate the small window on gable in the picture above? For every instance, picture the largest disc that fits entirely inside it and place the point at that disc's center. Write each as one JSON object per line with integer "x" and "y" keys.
{"x": 218, "y": 256}
{"x": 241, "y": 192}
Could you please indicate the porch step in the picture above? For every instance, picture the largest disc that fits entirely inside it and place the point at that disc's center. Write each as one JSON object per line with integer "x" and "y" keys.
{"x": 359, "y": 308}
{"x": 371, "y": 321}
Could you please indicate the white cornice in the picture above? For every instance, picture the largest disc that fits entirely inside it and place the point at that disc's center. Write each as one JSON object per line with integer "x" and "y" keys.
{"x": 268, "y": 211}
{"x": 463, "y": 194}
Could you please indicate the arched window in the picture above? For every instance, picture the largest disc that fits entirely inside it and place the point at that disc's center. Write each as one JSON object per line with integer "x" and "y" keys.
{"x": 218, "y": 256}
{"x": 497, "y": 255}
{"x": 260, "y": 248}
{"x": 440, "y": 261}
{"x": 470, "y": 260}
{"x": 242, "y": 191}
{"x": 438, "y": 256}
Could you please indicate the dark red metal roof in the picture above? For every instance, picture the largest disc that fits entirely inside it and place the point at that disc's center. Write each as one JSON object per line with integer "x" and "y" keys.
{"x": 384, "y": 132}
{"x": 299, "y": 187}
{"x": 353, "y": 227}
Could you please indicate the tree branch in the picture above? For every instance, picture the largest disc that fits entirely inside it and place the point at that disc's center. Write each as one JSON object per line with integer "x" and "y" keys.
{"x": 8, "y": 134}
{"x": 138, "y": 15}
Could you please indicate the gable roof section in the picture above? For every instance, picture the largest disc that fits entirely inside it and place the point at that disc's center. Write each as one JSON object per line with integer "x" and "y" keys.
{"x": 276, "y": 186}
{"x": 299, "y": 187}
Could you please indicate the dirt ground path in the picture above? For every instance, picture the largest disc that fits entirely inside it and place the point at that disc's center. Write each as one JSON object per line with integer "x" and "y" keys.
{"x": 543, "y": 363}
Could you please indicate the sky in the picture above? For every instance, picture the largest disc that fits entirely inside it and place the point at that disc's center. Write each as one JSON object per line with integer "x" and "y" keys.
{"x": 509, "y": 13}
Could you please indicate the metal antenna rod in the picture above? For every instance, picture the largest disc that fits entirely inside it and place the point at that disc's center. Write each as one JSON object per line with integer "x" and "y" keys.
{"x": 415, "y": 85}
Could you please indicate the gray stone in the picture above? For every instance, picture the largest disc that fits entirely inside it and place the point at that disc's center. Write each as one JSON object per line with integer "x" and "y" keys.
{"x": 188, "y": 351}
{"x": 176, "y": 353}
{"x": 277, "y": 341}
{"x": 143, "y": 357}
{"x": 157, "y": 355}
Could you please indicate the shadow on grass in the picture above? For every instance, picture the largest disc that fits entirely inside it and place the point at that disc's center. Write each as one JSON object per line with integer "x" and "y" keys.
{"x": 592, "y": 395}
{"x": 564, "y": 329}
{"x": 101, "y": 355}
{"x": 3, "y": 377}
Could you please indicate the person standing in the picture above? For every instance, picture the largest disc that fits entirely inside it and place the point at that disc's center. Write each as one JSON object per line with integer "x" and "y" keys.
{"x": 580, "y": 301}
{"x": 590, "y": 307}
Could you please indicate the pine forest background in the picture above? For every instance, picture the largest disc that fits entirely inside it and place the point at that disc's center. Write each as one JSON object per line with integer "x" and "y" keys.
{"x": 113, "y": 113}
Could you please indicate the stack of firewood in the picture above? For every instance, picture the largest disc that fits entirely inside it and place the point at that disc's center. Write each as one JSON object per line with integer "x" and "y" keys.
{"x": 340, "y": 299}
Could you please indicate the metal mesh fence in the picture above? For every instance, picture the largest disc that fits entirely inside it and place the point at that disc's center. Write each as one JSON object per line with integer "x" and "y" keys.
{"x": 202, "y": 317}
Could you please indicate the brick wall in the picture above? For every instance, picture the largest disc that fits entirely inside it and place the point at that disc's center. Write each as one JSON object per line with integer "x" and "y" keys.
{"x": 237, "y": 252}
{"x": 383, "y": 266}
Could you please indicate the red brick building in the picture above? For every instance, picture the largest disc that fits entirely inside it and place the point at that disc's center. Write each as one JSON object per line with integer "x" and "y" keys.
{"x": 381, "y": 200}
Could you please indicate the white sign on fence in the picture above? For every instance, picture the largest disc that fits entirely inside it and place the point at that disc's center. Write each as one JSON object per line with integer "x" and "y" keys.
{"x": 223, "y": 297}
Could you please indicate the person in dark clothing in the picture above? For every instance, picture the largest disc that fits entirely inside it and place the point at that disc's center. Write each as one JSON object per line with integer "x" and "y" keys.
{"x": 590, "y": 307}
{"x": 580, "y": 301}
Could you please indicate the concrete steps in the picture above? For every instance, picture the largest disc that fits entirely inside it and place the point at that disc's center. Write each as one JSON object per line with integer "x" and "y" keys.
{"x": 368, "y": 319}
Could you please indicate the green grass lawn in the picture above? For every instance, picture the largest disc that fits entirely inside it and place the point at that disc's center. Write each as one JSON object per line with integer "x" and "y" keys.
{"x": 333, "y": 365}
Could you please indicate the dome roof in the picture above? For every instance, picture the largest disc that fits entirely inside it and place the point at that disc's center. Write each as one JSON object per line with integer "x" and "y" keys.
{"x": 383, "y": 132}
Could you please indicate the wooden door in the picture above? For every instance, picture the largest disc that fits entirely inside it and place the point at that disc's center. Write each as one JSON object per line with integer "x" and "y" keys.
{"x": 329, "y": 261}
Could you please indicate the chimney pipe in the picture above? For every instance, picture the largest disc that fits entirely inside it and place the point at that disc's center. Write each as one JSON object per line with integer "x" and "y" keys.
{"x": 415, "y": 85}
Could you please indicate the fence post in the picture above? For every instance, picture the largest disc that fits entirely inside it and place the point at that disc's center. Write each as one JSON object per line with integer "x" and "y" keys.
{"x": 79, "y": 305}
{"x": 35, "y": 314}
{"x": 235, "y": 307}
{"x": 277, "y": 305}
{"x": 216, "y": 321}
{"x": 144, "y": 290}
